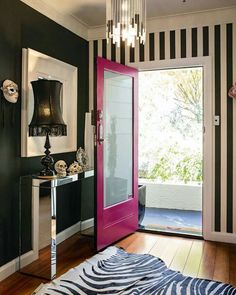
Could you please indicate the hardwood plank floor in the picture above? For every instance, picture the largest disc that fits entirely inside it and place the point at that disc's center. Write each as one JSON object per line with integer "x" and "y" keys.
{"x": 192, "y": 257}
{"x": 221, "y": 271}
{"x": 179, "y": 261}
{"x": 170, "y": 250}
{"x": 207, "y": 265}
{"x": 232, "y": 265}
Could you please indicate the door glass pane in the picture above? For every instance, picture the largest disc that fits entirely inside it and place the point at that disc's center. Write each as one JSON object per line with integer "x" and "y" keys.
{"x": 117, "y": 119}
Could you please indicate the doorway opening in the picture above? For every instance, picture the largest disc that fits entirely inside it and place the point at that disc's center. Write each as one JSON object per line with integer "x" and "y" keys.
{"x": 171, "y": 149}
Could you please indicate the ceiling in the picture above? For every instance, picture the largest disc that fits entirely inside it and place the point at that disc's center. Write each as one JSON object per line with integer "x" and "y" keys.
{"x": 92, "y": 13}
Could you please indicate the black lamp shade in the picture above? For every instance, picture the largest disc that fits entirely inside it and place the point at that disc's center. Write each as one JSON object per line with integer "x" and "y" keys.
{"x": 47, "y": 116}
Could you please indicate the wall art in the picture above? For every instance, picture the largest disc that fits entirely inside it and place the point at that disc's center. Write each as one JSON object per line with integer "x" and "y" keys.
{"x": 36, "y": 65}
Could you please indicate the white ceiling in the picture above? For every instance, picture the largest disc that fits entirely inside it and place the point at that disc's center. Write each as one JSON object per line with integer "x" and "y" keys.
{"x": 93, "y": 12}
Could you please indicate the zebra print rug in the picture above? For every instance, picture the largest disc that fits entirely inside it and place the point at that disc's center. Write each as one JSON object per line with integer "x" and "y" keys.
{"x": 114, "y": 271}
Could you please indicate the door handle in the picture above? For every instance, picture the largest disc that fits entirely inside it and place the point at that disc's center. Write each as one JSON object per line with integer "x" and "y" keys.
{"x": 100, "y": 134}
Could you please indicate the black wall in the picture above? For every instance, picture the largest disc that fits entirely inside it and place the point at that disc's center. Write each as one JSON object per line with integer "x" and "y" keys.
{"x": 22, "y": 27}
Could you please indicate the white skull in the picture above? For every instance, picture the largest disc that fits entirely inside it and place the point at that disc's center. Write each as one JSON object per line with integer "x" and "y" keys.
{"x": 74, "y": 168}
{"x": 10, "y": 91}
{"x": 60, "y": 167}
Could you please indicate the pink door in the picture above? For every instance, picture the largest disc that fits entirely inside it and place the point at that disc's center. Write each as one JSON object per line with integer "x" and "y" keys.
{"x": 116, "y": 152}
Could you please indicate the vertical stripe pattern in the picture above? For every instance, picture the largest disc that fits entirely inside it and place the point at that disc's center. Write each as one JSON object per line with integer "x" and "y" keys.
{"x": 223, "y": 102}
{"x": 157, "y": 46}
{"x": 177, "y": 44}
{"x": 194, "y": 42}
{"x": 172, "y": 44}
{"x": 219, "y": 42}
{"x": 188, "y": 42}
{"x": 141, "y": 52}
{"x": 162, "y": 45}
{"x": 95, "y": 54}
{"x": 183, "y": 42}
{"x": 217, "y": 70}
{"x": 199, "y": 41}
{"x": 151, "y": 46}
{"x": 122, "y": 52}
{"x": 104, "y": 48}
{"x": 230, "y": 134}
{"x": 146, "y": 49}
{"x": 132, "y": 54}
{"x": 91, "y": 80}
{"x": 205, "y": 41}
{"x": 113, "y": 51}
{"x": 234, "y": 128}
{"x": 99, "y": 53}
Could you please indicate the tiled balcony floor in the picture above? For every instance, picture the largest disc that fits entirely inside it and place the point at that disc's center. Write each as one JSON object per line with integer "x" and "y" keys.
{"x": 173, "y": 220}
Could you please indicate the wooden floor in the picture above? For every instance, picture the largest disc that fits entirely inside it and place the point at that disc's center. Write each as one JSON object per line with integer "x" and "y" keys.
{"x": 196, "y": 258}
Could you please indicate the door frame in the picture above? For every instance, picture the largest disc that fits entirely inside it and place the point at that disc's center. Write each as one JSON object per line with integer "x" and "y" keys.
{"x": 208, "y": 134}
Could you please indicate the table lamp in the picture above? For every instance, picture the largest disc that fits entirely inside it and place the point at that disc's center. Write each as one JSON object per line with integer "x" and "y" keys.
{"x": 47, "y": 118}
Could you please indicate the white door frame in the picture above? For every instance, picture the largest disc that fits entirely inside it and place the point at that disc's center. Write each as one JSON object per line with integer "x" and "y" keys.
{"x": 208, "y": 135}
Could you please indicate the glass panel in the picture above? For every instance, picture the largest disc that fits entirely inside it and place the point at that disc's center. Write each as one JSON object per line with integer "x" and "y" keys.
{"x": 37, "y": 228}
{"x": 47, "y": 222}
{"x": 117, "y": 118}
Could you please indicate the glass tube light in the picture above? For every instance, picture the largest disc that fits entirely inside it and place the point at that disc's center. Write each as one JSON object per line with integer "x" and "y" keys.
{"x": 126, "y": 21}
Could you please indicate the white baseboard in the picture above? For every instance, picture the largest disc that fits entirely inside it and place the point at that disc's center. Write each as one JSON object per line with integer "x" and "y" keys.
{"x": 87, "y": 223}
{"x": 13, "y": 266}
{"x": 221, "y": 237}
{"x": 68, "y": 232}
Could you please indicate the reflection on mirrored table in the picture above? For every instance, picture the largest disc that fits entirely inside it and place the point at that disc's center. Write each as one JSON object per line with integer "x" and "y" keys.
{"x": 52, "y": 211}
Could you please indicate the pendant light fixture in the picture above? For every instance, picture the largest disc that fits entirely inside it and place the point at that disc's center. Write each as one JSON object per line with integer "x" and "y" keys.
{"x": 126, "y": 21}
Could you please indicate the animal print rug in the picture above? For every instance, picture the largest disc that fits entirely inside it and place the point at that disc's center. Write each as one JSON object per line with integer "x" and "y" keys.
{"x": 114, "y": 271}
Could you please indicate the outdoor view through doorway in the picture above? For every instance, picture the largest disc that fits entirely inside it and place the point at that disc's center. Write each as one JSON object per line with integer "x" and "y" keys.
{"x": 171, "y": 149}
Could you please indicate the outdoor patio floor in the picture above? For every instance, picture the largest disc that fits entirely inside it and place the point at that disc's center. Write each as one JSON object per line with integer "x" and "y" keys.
{"x": 173, "y": 220}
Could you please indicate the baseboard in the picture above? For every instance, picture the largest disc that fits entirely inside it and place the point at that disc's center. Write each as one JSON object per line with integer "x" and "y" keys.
{"x": 87, "y": 223}
{"x": 9, "y": 268}
{"x": 221, "y": 237}
{"x": 67, "y": 233}
{"x": 70, "y": 231}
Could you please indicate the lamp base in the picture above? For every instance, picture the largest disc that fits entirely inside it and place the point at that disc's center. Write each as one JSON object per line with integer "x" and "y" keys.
{"x": 47, "y": 160}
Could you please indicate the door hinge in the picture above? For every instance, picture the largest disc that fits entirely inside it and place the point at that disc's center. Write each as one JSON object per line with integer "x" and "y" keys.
{"x": 95, "y": 139}
{"x": 96, "y": 116}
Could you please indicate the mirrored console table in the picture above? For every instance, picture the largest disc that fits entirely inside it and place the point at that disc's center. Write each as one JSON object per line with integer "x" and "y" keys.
{"x": 38, "y": 221}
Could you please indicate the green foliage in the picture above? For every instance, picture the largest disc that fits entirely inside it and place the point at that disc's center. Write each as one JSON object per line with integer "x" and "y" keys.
{"x": 159, "y": 172}
{"x": 175, "y": 164}
{"x": 171, "y": 119}
{"x": 190, "y": 168}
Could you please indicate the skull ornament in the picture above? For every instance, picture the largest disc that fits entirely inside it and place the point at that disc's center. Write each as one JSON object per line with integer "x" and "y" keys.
{"x": 60, "y": 167}
{"x": 10, "y": 91}
{"x": 74, "y": 168}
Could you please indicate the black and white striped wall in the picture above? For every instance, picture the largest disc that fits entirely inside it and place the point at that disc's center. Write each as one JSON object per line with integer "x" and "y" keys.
{"x": 210, "y": 34}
